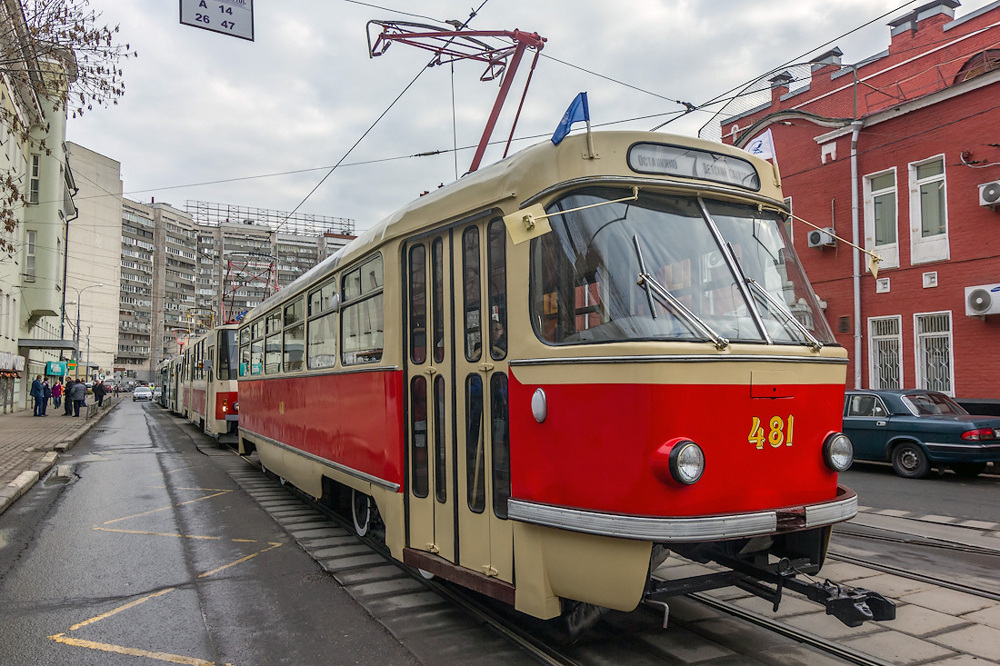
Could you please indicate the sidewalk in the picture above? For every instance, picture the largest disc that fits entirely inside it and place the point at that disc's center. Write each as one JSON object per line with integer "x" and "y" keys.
{"x": 29, "y": 445}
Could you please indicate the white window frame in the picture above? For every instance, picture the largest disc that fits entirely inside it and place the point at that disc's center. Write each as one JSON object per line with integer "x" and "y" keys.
{"x": 34, "y": 180}
{"x": 931, "y": 248}
{"x": 873, "y": 339}
{"x": 919, "y": 367}
{"x": 30, "y": 256}
{"x": 888, "y": 251}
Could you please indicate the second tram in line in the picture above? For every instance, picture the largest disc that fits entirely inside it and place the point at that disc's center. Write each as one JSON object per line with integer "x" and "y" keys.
{"x": 540, "y": 380}
{"x": 200, "y": 384}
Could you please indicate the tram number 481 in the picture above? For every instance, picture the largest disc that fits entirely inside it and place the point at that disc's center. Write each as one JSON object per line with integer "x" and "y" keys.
{"x": 776, "y": 436}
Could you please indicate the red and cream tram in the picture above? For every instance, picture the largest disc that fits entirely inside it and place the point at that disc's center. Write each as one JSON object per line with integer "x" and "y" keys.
{"x": 543, "y": 378}
{"x": 207, "y": 382}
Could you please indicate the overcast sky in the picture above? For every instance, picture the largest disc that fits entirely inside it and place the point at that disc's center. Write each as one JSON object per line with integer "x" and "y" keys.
{"x": 272, "y": 116}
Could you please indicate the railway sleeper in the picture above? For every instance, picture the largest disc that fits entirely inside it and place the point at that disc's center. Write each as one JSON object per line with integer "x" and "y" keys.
{"x": 851, "y": 605}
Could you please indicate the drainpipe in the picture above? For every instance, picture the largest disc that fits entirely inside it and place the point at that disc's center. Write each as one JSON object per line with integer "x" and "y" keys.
{"x": 62, "y": 317}
{"x": 856, "y": 239}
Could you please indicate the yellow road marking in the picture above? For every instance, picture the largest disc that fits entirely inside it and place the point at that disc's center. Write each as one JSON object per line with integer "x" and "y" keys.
{"x": 164, "y": 508}
{"x": 242, "y": 559}
{"x": 131, "y": 604}
{"x": 166, "y": 534}
{"x": 135, "y": 652}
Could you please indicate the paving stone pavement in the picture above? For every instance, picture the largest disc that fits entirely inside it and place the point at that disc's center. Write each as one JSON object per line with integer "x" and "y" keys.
{"x": 30, "y": 445}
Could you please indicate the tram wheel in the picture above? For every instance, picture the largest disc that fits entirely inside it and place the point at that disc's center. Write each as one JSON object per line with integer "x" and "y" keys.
{"x": 361, "y": 511}
{"x": 909, "y": 461}
{"x": 968, "y": 470}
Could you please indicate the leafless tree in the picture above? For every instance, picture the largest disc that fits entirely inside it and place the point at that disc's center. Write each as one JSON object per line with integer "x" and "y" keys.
{"x": 57, "y": 57}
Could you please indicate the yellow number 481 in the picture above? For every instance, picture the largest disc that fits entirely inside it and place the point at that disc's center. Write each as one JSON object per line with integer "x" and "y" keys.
{"x": 776, "y": 436}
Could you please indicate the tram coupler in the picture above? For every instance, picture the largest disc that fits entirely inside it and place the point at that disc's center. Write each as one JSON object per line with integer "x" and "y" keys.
{"x": 851, "y": 605}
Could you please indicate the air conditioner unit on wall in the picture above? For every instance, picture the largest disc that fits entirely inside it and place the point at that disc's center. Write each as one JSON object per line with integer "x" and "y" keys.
{"x": 822, "y": 238}
{"x": 989, "y": 194}
{"x": 983, "y": 299}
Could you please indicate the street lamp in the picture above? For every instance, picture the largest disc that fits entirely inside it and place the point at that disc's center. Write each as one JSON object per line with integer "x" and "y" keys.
{"x": 76, "y": 333}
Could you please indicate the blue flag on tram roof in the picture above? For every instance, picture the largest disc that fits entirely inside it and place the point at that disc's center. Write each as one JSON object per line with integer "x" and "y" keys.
{"x": 578, "y": 110}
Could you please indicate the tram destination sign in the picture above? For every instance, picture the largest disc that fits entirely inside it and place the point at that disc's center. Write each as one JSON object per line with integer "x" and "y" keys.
{"x": 667, "y": 160}
{"x": 229, "y": 17}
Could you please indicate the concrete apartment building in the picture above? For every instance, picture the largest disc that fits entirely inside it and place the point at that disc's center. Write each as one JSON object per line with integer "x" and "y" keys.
{"x": 180, "y": 276}
{"x": 900, "y": 154}
{"x": 38, "y": 207}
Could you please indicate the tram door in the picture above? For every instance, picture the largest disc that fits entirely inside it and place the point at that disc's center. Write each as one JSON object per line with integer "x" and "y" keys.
{"x": 429, "y": 375}
{"x": 483, "y": 480}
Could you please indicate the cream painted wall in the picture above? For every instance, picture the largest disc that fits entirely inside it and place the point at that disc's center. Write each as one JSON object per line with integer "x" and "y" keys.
{"x": 95, "y": 245}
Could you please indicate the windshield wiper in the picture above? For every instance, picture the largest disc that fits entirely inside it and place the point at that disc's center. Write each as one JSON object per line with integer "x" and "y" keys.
{"x": 655, "y": 290}
{"x": 815, "y": 344}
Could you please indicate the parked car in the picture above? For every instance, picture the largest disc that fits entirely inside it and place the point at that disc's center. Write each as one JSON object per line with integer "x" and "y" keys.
{"x": 142, "y": 393}
{"x": 157, "y": 392}
{"x": 917, "y": 429}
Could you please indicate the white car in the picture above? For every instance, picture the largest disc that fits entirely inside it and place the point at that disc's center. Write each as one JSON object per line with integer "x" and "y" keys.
{"x": 142, "y": 393}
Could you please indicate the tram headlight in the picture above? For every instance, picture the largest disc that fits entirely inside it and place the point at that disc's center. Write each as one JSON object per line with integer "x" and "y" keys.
{"x": 687, "y": 462}
{"x": 838, "y": 452}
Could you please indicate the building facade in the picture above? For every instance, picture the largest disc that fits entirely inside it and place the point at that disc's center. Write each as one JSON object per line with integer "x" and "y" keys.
{"x": 899, "y": 154}
{"x": 36, "y": 185}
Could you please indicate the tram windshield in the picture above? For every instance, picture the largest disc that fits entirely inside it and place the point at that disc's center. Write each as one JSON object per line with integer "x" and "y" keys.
{"x": 728, "y": 271}
{"x": 228, "y": 351}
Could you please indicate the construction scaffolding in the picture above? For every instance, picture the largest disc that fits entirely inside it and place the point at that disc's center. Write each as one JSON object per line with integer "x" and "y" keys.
{"x": 304, "y": 224}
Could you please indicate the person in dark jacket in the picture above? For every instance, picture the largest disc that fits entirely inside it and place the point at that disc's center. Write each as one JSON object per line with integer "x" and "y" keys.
{"x": 79, "y": 395}
{"x": 36, "y": 394}
{"x": 46, "y": 396}
{"x": 68, "y": 395}
{"x": 99, "y": 391}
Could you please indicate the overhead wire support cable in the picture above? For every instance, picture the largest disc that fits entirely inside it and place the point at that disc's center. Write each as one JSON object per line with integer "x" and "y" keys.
{"x": 371, "y": 127}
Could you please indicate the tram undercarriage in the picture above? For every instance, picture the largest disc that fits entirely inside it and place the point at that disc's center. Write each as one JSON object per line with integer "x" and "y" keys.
{"x": 766, "y": 566}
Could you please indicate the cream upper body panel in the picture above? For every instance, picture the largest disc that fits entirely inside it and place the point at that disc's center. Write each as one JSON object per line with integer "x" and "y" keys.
{"x": 539, "y": 171}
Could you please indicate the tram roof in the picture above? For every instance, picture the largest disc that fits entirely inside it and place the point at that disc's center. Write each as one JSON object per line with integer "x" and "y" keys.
{"x": 518, "y": 177}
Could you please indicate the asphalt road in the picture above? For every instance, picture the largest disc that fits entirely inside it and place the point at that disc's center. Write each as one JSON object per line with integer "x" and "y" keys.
{"x": 946, "y": 494}
{"x": 147, "y": 550}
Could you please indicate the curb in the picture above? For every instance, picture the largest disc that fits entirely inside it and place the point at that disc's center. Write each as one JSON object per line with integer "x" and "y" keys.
{"x": 25, "y": 480}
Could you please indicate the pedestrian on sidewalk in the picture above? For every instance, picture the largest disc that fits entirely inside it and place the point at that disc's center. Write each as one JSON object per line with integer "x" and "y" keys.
{"x": 46, "y": 396}
{"x": 99, "y": 391}
{"x": 79, "y": 397}
{"x": 57, "y": 392}
{"x": 36, "y": 394}
{"x": 69, "y": 397}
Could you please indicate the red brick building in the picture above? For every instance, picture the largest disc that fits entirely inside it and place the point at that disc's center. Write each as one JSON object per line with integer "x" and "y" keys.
{"x": 897, "y": 154}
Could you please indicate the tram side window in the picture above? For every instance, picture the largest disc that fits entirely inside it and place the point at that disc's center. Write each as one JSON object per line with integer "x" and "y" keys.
{"x": 257, "y": 348}
{"x": 321, "y": 345}
{"x": 475, "y": 458}
{"x": 418, "y": 304}
{"x": 362, "y": 314}
{"x": 440, "y": 450}
{"x": 500, "y": 439}
{"x": 294, "y": 336}
{"x": 437, "y": 305}
{"x": 272, "y": 354}
{"x": 418, "y": 436}
{"x": 496, "y": 259}
{"x": 472, "y": 303}
{"x": 245, "y": 360}
{"x": 323, "y": 341}
{"x": 210, "y": 365}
